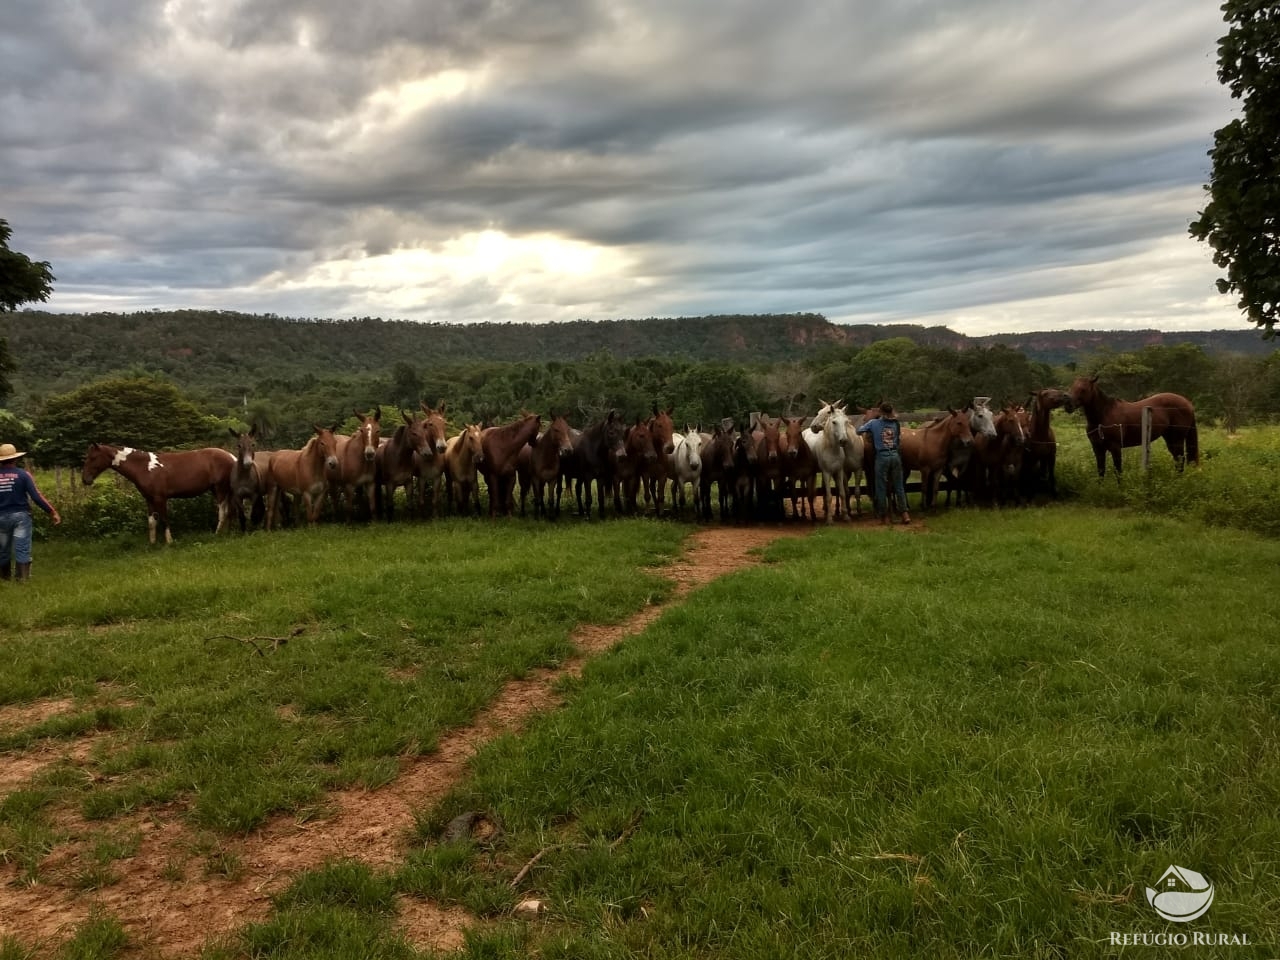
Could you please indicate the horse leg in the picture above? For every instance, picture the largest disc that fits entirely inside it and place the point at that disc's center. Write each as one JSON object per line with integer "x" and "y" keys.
{"x": 1115, "y": 460}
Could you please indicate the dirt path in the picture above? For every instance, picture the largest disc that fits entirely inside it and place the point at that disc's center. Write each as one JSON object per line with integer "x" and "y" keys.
{"x": 170, "y": 907}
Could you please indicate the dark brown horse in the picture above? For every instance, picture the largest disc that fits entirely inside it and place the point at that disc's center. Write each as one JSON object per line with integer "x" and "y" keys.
{"x": 357, "y": 463}
{"x": 662, "y": 429}
{"x": 1115, "y": 424}
{"x": 540, "y": 468}
{"x": 632, "y": 465}
{"x": 162, "y": 476}
{"x": 501, "y": 446}
{"x": 394, "y": 464}
{"x": 249, "y": 477}
{"x": 305, "y": 474}
{"x": 1041, "y": 457}
{"x": 771, "y": 448}
{"x": 594, "y": 454}
{"x": 719, "y": 468}
{"x": 799, "y": 468}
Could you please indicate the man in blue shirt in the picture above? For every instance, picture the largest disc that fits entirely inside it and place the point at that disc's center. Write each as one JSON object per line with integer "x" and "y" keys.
{"x": 886, "y": 437}
{"x": 16, "y": 488}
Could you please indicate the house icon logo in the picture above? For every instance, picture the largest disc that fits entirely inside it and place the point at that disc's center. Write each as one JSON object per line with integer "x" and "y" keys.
{"x": 1181, "y": 895}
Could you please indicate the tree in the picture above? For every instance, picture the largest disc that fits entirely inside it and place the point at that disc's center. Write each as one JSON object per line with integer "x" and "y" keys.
{"x": 144, "y": 413}
{"x": 1242, "y": 218}
{"x": 22, "y": 280}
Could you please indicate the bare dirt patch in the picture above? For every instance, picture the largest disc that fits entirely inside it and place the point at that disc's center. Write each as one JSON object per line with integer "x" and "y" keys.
{"x": 170, "y": 900}
{"x": 15, "y": 716}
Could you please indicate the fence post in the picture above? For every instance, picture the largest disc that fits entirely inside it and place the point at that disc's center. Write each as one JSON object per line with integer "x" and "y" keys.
{"x": 1146, "y": 439}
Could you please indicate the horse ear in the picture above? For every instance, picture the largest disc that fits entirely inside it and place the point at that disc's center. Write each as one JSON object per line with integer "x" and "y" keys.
{"x": 406, "y": 418}
{"x": 377, "y": 413}
{"x": 654, "y": 407}
{"x": 233, "y": 432}
{"x": 440, "y": 407}
{"x": 1094, "y": 378}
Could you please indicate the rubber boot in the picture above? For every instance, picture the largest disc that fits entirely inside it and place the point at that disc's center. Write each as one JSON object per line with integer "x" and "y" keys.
{"x": 6, "y": 571}
{"x": 24, "y": 571}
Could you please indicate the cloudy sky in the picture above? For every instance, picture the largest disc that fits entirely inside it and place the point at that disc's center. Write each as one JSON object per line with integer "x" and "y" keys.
{"x": 991, "y": 165}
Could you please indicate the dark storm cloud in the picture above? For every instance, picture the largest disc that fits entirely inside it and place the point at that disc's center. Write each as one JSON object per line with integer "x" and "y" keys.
{"x": 862, "y": 160}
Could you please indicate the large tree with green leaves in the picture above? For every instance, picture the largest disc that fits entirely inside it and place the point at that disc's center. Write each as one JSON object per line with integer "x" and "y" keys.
{"x": 22, "y": 280}
{"x": 131, "y": 411}
{"x": 1242, "y": 219}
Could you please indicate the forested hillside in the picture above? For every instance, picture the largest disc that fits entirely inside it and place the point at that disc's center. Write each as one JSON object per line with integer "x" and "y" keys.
{"x": 229, "y": 353}
{"x": 65, "y": 372}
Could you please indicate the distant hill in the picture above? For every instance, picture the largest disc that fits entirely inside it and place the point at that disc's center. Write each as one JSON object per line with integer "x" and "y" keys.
{"x": 56, "y": 352}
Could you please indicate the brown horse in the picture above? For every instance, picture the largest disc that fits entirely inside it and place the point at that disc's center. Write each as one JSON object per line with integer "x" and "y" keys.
{"x": 357, "y": 463}
{"x": 1040, "y": 459}
{"x": 306, "y": 474}
{"x": 428, "y": 468}
{"x": 632, "y": 466}
{"x": 539, "y": 466}
{"x": 1115, "y": 424}
{"x": 928, "y": 449}
{"x": 394, "y": 463}
{"x": 662, "y": 429}
{"x": 771, "y": 449}
{"x": 162, "y": 476}
{"x": 800, "y": 468}
{"x": 463, "y": 456}
{"x": 501, "y": 446}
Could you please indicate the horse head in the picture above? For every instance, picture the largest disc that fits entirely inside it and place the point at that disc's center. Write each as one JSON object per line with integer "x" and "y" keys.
{"x": 244, "y": 447}
{"x": 96, "y": 459}
{"x": 981, "y": 419}
{"x": 639, "y": 442}
{"x": 662, "y": 429}
{"x": 1083, "y": 394}
{"x": 436, "y": 427}
{"x": 769, "y": 440}
{"x": 613, "y": 435}
{"x": 327, "y": 443}
{"x": 958, "y": 428}
{"x": 690, "y": 447}
{"x": 369, "y": 431}
{"x": 559, "y": 434}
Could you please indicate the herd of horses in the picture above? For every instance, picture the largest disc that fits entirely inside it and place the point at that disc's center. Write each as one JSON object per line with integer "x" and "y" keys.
{"x": 1004, "y": 456}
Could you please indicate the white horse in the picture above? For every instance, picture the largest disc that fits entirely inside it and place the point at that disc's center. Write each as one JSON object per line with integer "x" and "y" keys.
{"x": 684, "y": 464}
{"x": 838, "y": 451}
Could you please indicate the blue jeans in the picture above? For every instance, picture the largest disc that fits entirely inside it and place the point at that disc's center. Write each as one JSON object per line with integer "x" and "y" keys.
{"x": 889, "y": 471}
{"x": 15, "y": 529}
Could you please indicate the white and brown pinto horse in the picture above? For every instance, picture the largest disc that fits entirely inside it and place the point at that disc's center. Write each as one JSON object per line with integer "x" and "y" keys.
{"x": 357, "y": 463}
{"x": 306, "y": 474}
{"x": 160, "y": 477}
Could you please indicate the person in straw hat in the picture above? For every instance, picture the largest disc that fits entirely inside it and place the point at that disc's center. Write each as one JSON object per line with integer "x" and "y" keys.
{"x": 17, "y": 488}
{"x": 886, "y": 437}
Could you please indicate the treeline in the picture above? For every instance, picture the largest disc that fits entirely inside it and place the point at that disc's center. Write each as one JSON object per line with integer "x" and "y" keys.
{"x": 226, "y": 356}
{"x": 145, "y": 408}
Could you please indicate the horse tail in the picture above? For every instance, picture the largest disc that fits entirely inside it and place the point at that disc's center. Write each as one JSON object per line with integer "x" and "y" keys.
{"x": 1193, "y": 444}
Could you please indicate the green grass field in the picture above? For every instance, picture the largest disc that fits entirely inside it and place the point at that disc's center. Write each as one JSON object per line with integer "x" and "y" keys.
{"x": 980, "y": 740}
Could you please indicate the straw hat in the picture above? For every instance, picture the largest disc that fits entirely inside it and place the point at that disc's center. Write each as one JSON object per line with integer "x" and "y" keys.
{"x": 9, "y": 452}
